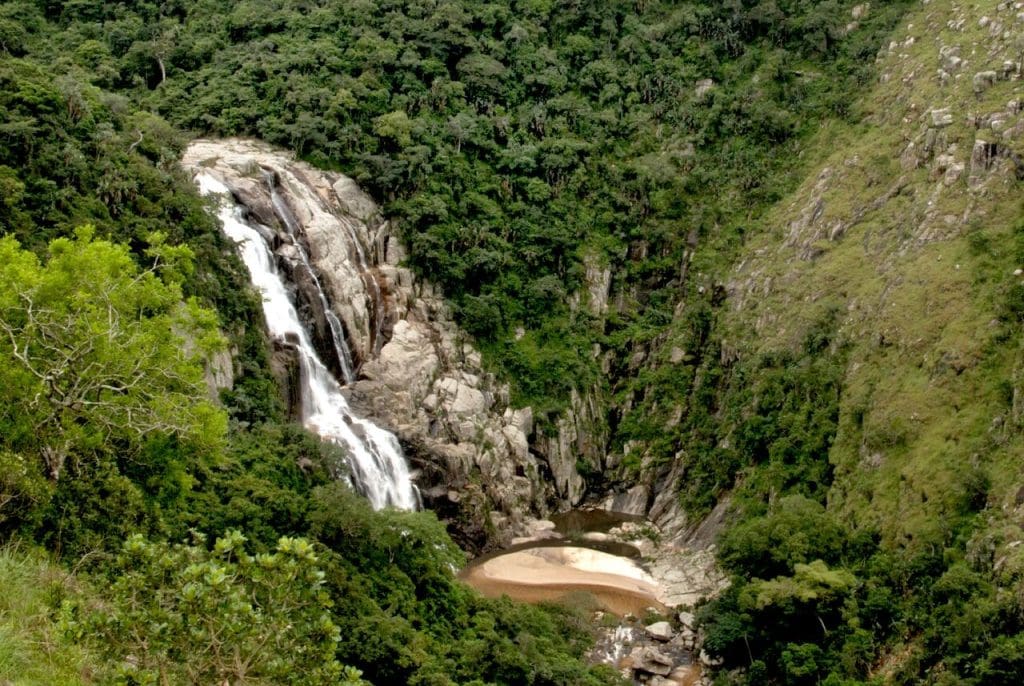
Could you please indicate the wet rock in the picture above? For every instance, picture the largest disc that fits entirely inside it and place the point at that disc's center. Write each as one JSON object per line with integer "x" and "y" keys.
{"x": 633, "y": 501}
{"x": 284, "y": 366}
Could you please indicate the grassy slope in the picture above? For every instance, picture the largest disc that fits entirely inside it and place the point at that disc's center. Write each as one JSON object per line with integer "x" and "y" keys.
{"x": 32, "y": 649}
{"x": 919, "y": 273}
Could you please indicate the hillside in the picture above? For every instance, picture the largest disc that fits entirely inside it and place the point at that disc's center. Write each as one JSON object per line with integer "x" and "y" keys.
{"x": 751, "y": 270}
{"x": 886, "y": 288}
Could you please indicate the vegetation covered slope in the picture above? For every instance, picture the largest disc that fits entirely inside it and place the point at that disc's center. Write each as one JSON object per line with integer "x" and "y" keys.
{"x": 872, "y": 398}
{"x": 511, "y": 140}
{"x": 817, "y": 313}
{"x": 202, "y": 552}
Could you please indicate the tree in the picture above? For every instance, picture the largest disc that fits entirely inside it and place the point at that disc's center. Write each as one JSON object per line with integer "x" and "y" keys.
{"x": 185, "y": 614}
{"x": 797, "y": 530}
{"x": 99, "y": 353}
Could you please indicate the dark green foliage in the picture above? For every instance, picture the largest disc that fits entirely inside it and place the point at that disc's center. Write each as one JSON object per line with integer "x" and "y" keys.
{"x": 771, "y": 419}
{"x": 510, "y": 141}
{"x": 792, "y": 630}
{"x": 506, "y": 137}
{"x": 794, "y": 531}
{"x": 262, "y": 487}
{"x": 405, "y": 619}
{"x": 187, "y": 614}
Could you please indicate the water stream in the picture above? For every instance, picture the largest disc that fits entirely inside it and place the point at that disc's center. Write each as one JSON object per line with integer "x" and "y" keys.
{"x": 377, "y": 465}
{"x": 291, "y": 225}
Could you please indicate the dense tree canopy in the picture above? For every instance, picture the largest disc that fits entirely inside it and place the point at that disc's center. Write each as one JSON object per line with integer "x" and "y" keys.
{"x": 508, "y": 139}
{"x": 518, "y": 145}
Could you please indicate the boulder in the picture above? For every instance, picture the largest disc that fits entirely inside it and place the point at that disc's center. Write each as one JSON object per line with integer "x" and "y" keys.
{"x": 660, "y": 631}
{"x": 651, "y": 660}
{"x": 941, "y": 117}
{"x": 708, "y": 661}
{"x": 688, "y": 674}
{"x": 949, "y": 56}
{"x": 983, "y": 80}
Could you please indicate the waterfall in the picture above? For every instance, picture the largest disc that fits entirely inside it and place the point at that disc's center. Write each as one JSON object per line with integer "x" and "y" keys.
{"x": 375, "y": 458}
{"x": 284, "y": 213}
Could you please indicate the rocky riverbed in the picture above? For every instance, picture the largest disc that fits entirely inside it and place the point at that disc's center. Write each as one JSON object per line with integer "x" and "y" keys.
{"x": 624, "y": 566}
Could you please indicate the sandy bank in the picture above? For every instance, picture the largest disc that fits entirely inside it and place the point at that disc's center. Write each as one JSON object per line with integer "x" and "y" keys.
{"x": 551, "y": 573}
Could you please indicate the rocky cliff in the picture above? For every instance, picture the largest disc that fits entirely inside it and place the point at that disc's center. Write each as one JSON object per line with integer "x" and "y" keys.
{"x": 480, "y": 462}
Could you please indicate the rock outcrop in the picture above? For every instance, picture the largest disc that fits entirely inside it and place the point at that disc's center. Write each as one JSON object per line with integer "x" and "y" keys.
{"x": 412, "y": 369}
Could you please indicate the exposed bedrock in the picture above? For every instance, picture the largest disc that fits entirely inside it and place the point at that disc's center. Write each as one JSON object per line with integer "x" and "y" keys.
{"x": 481, "y": 464}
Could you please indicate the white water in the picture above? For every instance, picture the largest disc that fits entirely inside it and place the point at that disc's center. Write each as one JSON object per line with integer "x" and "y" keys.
{"x": 284, "y": 213}
{"x": 375, "y": 458}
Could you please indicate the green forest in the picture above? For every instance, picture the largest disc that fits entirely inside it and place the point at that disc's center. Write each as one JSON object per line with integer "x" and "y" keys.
{"x": 152, "y": 534}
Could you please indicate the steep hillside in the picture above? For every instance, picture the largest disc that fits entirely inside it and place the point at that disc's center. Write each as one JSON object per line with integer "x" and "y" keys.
{"x": 908, "y": 235}
{"x": 870, "y": 358}
{"x": 748, "y": 270}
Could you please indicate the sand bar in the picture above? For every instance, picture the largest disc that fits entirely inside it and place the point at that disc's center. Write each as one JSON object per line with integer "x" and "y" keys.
{"x": 551, "y": 573}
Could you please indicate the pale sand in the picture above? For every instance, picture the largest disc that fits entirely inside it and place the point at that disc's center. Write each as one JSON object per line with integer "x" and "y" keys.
{"x": 551, "y": 573}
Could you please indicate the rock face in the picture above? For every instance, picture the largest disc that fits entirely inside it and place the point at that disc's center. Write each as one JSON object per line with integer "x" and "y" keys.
{"x": 411, "y": 369}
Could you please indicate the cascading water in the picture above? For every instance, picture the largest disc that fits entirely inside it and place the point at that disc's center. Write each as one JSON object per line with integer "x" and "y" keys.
{"x": 284, "y": 213}
{"x": 378, "y": 466}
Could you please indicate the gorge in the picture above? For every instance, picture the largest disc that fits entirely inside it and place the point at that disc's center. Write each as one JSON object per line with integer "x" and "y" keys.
{"x": 403, "y": 370}
{"x": 327, "y": 325}
{"x": 410, "y": 367}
